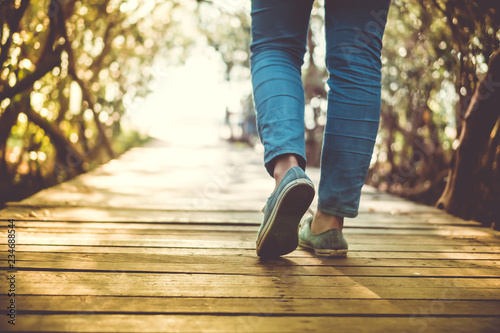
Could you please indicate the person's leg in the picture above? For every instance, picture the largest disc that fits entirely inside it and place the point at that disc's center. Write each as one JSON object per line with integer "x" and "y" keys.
{"x": 354, "y": 31}
{"x": 279, "y": 35}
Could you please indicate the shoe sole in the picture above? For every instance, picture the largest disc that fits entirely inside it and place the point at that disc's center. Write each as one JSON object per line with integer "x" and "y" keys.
{"x": 325, "y": 252}
{"x": 280, "y": 235}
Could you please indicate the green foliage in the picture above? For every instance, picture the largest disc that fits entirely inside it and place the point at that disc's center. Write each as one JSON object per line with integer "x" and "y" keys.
{"x": 434, "y": 54}
{"x": 68, "y": 71}
{"x": 227, "y": 30}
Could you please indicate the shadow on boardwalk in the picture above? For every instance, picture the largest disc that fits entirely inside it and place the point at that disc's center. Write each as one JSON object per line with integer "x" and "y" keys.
{"x": 163, "y": 239}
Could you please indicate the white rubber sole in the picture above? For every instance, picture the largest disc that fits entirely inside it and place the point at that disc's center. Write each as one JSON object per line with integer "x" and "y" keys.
{"x": 325, "y": 252}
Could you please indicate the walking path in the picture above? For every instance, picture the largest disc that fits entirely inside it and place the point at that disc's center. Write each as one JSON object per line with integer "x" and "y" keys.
{"x": 163, "y": 239}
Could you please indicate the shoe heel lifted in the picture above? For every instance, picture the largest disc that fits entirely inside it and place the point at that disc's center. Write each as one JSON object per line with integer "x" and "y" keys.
{"x": 283, "y": 212}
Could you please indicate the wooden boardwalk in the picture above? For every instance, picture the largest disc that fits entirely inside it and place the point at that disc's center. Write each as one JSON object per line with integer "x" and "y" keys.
{"x": 163, "y": 239}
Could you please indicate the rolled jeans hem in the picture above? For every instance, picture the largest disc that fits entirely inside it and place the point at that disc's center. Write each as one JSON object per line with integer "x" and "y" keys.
{"x": 338, "y": 212}
{"x": 270, "y": 159}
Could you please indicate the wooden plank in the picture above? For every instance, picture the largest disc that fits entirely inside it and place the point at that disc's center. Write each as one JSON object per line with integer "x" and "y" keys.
{"x": 143, "y": 227}
{"x": 96, "y": 214}
{"x": 125, "y": 214}
{"x": 120, "y": 227}
{"x": 29, "y": 236}
{"x": 232, "y": 231}
{"x": 203, "y": 305}
{"x": 317, "y": 293}
{"x": 219, "y": 285}
{"x": 184, "y": 198}
{"x": 247, "y": 323}
{"x": 192, "y": 237}
{"x": 221, "y": 265}
{"x": 139, "y": 214}
{"x": 234, "y": 243}
{"x": 252, "y": 270}
{"x": 251, "y": 252}
{"x": 179, "y": 223}
{"x": 239, "y": 261}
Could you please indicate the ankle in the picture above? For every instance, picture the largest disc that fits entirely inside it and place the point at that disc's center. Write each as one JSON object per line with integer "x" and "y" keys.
{"x": 323, "y": 221}
{"x": 282, "y": 165}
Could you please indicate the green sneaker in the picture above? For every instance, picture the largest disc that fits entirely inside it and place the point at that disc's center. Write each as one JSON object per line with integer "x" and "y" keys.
{"x": 330, "y": 243}
{"x": 284, "y": 209}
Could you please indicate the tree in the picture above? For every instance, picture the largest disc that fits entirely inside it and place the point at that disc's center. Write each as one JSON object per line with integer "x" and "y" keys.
{"x": 473, "y": 187}
{"x": 430, "y": 49}
{"x": 68, "y": 71}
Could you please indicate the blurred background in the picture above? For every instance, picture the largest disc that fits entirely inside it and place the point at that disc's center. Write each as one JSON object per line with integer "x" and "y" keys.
{"x": 83, "y": 81}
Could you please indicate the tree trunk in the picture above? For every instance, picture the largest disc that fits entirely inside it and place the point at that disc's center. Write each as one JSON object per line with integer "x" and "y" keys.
{"x": 470, "y": 186}
{"x": 8, "y": 120}
{"x": 74, "y": 158}
{"x": 84, "y": 86}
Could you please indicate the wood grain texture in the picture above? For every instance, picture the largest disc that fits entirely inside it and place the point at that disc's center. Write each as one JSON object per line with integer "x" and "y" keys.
{"x": 138, "y": 245}
{"x": 256, "y": 305}
{"x": 90, "y": 322}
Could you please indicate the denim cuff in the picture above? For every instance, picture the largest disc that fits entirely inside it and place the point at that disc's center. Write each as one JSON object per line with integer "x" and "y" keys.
{"x": 338, "y": 212}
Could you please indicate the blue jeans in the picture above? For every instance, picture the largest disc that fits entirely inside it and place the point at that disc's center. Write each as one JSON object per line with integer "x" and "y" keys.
{"x": 354, "y": 31}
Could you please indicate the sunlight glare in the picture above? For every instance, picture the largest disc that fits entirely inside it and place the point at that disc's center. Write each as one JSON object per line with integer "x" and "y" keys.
{"x": 189, "y": 101}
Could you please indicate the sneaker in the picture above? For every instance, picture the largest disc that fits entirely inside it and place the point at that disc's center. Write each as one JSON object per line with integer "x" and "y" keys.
{"x": 284, "y": 209}
{"x": 330, "y": 243}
